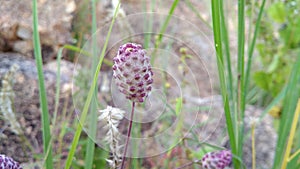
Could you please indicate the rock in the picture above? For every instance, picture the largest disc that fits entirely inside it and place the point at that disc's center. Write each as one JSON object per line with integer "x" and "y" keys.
{"x": 55, "y": 18}
{"x": 26, "y": 104}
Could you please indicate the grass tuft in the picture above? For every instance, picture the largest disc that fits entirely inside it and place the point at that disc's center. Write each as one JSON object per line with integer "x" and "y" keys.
{"x": 216, "y": 4}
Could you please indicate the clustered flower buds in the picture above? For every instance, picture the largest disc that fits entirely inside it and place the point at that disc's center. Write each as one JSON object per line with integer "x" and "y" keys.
{"x": 217, "y": 160}
{"x": 112, "y": 116}
{"x": 132, "y": 72}
{"x": 8, "y": 163}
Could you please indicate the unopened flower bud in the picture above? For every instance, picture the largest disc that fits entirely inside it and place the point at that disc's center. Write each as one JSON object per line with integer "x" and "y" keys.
{"x": 132, "y": 72}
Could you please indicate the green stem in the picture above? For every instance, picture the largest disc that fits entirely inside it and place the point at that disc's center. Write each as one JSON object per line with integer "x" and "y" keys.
{"x": 253, "y": 145}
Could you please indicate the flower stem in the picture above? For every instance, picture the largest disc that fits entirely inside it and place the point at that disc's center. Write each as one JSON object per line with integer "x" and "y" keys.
{"x": 253, "y": 146}
{"x": 128, "y": 135}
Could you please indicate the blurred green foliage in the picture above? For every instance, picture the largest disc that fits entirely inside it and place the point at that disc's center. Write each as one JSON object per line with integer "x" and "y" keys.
{"x": 99, "y": 160}
{"x": 278, "y": 45}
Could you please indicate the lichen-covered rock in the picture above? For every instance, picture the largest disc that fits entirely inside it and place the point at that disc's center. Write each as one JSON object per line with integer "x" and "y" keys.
{"x": 55, "y": 19}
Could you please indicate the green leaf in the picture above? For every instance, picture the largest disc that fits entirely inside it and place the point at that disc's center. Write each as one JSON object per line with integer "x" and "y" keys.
{"x": 274, "y": 64}
{"x": 290, "y": 34}
{"x": 277, "y": 12}
{"x": 261, "y": 79}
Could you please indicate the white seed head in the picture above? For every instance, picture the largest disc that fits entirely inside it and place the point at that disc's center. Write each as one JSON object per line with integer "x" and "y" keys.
{"x": 112, "y": 116}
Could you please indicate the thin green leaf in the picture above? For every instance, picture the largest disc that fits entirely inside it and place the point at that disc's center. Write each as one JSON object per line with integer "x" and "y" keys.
{"x": 89, "y": 157}
{"x": 90, "y": 96}
{"x": 289, "y": 106}
{"x": 215, "y": 4}
{"x": 163, "y": 28}
{"x": 241, "y": 76}
{"x": 42, "y": 90}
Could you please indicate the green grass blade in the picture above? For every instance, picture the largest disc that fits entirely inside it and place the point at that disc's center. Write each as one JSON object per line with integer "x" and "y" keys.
{"x": 90, "y": 96}
{"x": 215, "y": 4}
{"x": 241, "y": 77}
{"x": 165, "y": 24}
{"x": 148, "y": 23}
{"x": 57, "y": 92}
{"x": 85, "y": 53}
{"x": 288, "y": 156}
{"x": 163, "y": 28}
{"x": 289, "y": 106}
{"x": 93, "y": 108}
{"x": 224, "y": 34}
{"x": 42, "y": 90}
{"x": 253, "y": 42}
{"x": 196, "y": 11}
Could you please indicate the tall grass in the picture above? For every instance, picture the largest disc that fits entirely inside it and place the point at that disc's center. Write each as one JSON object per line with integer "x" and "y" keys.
{"x": 235, "y": 115}
{"x": 234, "y": 111}
{"x": 288, "y": 113}
{"x": 216, "y": 13}
{"x": 93, "y": 109}
{"x": 42, "y": 91}
{"x": 90, "y": 96}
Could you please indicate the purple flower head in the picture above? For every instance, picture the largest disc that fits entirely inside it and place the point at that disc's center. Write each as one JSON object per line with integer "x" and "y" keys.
{"x": 8, "y": 163}
{"x": 132, "y": 72}
{"x": 217, "y": 160}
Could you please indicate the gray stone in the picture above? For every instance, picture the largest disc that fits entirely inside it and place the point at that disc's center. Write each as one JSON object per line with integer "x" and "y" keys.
{"x": 55, "y": 18}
